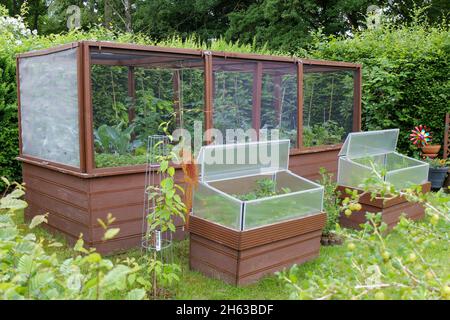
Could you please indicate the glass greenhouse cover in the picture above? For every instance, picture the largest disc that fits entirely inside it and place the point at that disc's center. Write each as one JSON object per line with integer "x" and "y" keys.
{"x": 243, "y": 159}
{"x": 364, "y": 152}
{"x": 229, "y": 172}
{"x": 359, "y": 144}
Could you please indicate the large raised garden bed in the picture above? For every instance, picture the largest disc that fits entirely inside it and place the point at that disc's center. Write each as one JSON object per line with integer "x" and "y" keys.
{"x": 239, "y": 240}
{"x": 75, "y": 98}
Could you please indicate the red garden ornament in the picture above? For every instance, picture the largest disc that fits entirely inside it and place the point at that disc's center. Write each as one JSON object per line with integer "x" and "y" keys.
{"x": 420, "y": 136}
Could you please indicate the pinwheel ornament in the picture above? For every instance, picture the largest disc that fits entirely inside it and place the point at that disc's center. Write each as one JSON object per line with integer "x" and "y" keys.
{"x": 420, "y": 136}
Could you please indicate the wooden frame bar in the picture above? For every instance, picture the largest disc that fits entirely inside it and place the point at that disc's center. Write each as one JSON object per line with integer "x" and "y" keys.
{"x": 88, "y": 110}
{"x": 299, "y": 145}
{"x": 256, "y": 99}
{"x": 357, "y": 93}
{"x": 446, "y": 152}
{"x": 209, "y": 98}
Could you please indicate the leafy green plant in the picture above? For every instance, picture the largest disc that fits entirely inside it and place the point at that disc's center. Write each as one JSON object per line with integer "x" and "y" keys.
{"x": 264, "y": 188}
{"x": 115, "y": 139}
{"x": 322, "y": 134}
{"x": 403, "y": 84}
{"x": 379, "y": 268}
{"x": 330, "y": 202}
{"x": 167, "y": 205}
{"x": 27, "y": 271}
{"x": 437, "y": 163}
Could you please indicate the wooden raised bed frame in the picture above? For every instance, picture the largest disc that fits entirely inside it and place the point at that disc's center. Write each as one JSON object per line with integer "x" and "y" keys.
{"x": 243, "y": 257}
{"x": 391, "y": 210}
{"x": 76, "y": 196}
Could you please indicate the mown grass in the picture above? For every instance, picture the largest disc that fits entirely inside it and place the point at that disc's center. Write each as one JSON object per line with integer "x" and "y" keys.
{"x": 194, "y": 285}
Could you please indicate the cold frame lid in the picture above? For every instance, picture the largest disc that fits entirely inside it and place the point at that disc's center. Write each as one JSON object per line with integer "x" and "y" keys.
{"x": 359, "y": 144}
{"x": 240, "y": 159}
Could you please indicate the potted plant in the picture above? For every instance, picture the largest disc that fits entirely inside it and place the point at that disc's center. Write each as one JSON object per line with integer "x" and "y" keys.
{"x": 421, "y": 137}
{"x": 437, "y": 172}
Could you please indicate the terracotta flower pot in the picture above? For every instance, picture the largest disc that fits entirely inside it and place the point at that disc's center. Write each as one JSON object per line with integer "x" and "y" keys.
{"x": 431, "y": 149}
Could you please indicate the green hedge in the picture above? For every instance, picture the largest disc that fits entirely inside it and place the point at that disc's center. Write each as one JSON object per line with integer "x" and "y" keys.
{"x": 8, "y": 120}
{"x": 405, "y": 76}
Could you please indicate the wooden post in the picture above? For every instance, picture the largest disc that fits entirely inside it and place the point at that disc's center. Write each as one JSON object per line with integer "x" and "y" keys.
{"x": 209, "y": 107}
{"x": 177, "y": 99}
{"x": 257, "y": 92}
{"x": 299, "y": 104}
{"x": 357, "y": 83}
{"x": 131, "y": 94}
{"x": 447, "y": 136}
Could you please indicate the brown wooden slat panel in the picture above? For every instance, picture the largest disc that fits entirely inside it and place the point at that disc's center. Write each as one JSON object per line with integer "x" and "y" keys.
{"x": 308, "y": 165}
{"x": 390, "y": 215}
{"x": 258, "y": 236}
{"x": 278, "y": 255}
{"x": 380, "y": 203}
{"x": 57, "y": 192}
{"x": 62, "y": 208}
{"x": 282, "y": 230}
{"x": 219, "y": 256}
{"x": 58, "y": 222}
{"x": 55, "y": 177}
{"x": 212, "y": 231}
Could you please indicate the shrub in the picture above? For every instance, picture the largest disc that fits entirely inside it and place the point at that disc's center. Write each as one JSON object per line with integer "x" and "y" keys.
{"x": 330, "y": 201}
{"x": 405, "y": 75}
{"x": 27, "y": 271}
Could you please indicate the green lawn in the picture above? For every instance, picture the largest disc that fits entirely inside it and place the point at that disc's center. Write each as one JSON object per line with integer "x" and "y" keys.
{"x": 194, "y": 285}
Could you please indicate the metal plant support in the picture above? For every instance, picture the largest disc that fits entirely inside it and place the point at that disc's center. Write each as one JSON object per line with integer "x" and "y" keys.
{"x": 158, "y": 243}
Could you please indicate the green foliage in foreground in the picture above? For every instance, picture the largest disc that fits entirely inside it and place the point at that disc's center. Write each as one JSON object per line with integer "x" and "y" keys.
{"x": 384, "y": 268}
{"x": 321, "y": 277}
{"x": 30, "y": 270}
{"x": 412, "y": 262}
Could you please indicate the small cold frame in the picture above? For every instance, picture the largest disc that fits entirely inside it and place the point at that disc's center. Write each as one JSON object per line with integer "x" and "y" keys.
{"x": 373, "y": 153}
{"x": 232, "y": 170}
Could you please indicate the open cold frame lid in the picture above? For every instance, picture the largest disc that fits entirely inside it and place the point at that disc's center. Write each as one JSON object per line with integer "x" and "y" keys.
{"x": 235, "y": 160}
{"x": 359, "y": 144}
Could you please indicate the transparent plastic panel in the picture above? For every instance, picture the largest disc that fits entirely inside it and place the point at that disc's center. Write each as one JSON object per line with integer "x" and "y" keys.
{"x": 279, "y": 100}
{"x": 243, "y": 159}
{"x": 403, "y": 171}
{"x": 49, "y": 107}
{"x": 404, "y": 178}
{"x": 328, "y": 103}
{"x": 352, "y": 174}
{"x": 132, "y": 94}
{"x": 213, "y": 206}
{"x": 377, "y": 163}
{"x": 283, "y": 182}
{"x": 233, "y": 95}
{"x": 240, "y": 186}
{"x": 359, "y": 144}
{"x": 395, "y": 161}
{"x": 243, "y": 86}
{"x": 279, "y": 208}
{"x": 288, "y": 181}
